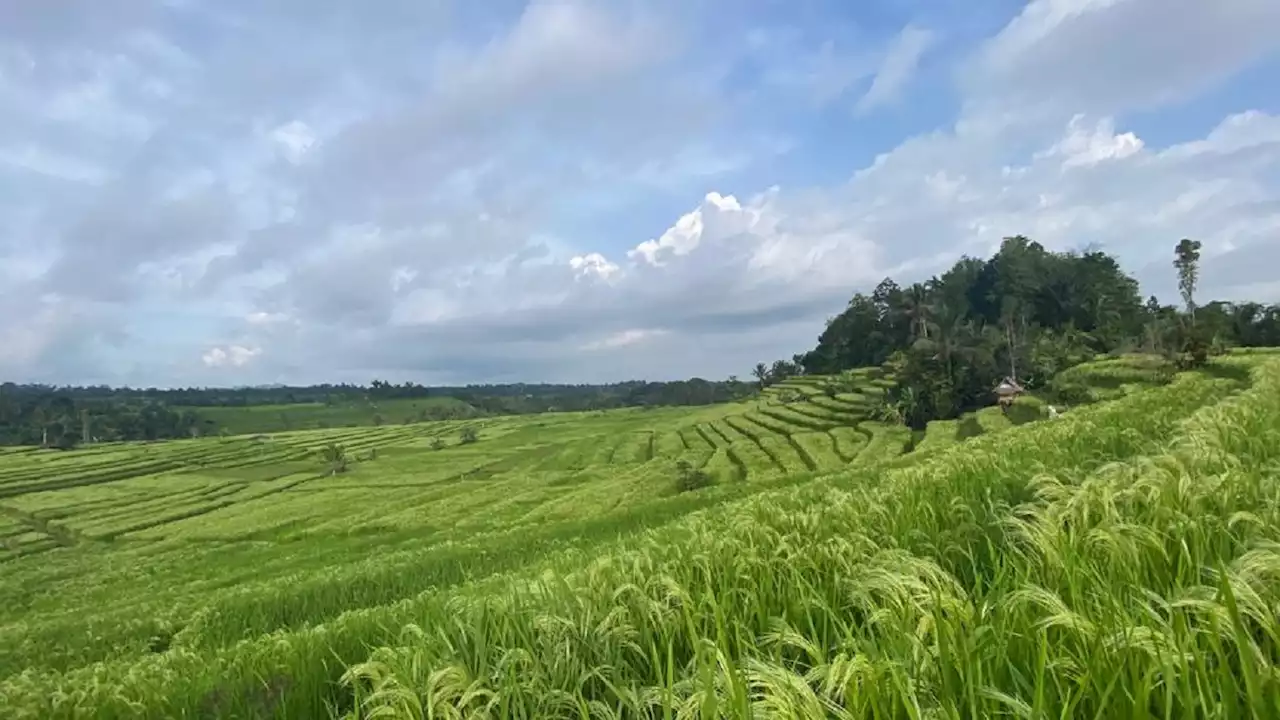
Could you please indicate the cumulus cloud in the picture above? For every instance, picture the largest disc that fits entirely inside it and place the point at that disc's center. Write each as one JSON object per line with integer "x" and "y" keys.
{"x": 592, "y": 265}
{"x": 1084, "y": 146}
{"x": 580, "y": 191}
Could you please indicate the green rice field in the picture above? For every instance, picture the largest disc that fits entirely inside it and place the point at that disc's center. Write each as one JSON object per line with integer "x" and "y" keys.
{"x": 1122, "y": 560}
{"x": 242, "y": 420}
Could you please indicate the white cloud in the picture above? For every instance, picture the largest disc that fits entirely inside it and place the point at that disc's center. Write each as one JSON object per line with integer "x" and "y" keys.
{"x": 1103, "y": 57}
{"x": 1133, "y": 200}
{"x": 897, "y": 67}
{"x": 354, "y": 197}
{"x": 1084, "y": 147}
{"x": 295, "y": 139}
{"x": 25, "y": 343}
{"x": 265, "y": 318}
{"x": 683, "y": 237}
{"x": 592, "y": 265}
{"x": 230, "y": 356}
{"x": 624, "y": 338}
{"x": 46, "y": 162}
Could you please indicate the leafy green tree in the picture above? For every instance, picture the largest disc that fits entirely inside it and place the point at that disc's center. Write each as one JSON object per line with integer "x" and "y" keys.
{"x": 468, "y": 435}
{"x": 689, "y": 478}
{"x": 781, "y": 370}
{"x": 335, "y": 457}
{"x": 1187, "y": 262}
{"x": 1025, "y": 311}
{"x": 761, "y": 373}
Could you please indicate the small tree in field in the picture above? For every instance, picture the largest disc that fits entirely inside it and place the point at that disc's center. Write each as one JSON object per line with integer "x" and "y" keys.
{"x": 335, "y": 456}
{"x": 468, "y": 435}
{"x": 786, "y": 397}
{"x": 1192, "y": 343}
{"x": 761, "y": 374}
{"x": 437, "y": 443}
{"x": 689, "y": 478}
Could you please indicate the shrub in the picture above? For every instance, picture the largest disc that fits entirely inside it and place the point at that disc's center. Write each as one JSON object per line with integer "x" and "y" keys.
{"x": 335, "y": 456}
{"x": 1069, "y": 392}
{"x": 468, "y": 435}
{"x": 689, "y": 478}
{"x": 786, "y": 397}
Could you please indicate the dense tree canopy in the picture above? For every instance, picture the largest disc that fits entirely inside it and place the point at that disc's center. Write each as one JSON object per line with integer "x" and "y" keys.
{"x": 41, "y": 415}
{"x": 1025, "y": 313}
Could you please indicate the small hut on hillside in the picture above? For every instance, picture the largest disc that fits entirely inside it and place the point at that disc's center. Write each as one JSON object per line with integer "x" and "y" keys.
{"x": 1006, "y": 392}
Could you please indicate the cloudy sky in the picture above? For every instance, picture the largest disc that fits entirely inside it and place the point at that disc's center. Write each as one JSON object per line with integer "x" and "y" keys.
{"x": 225, "y": 192}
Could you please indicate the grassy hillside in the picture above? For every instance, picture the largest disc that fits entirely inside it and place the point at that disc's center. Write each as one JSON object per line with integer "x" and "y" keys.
{"x": 1119, "y": 560}
{"x": 250, "y": 419}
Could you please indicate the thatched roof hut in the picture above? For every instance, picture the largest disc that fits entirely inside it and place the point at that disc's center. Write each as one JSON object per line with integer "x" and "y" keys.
{"x": 1008, "y": 388}
{"x": 1006, "y": 391}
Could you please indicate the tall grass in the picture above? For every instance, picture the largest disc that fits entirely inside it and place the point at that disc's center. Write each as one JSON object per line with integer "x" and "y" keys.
{"x": 1005, "y": 575}
{"x": 1142, "y": 587}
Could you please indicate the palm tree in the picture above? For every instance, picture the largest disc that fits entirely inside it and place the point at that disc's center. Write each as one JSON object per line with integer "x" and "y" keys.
{"x": 916, "y": 309}
{"x": 949, "y": 327}
{"x": 761, "y": 373}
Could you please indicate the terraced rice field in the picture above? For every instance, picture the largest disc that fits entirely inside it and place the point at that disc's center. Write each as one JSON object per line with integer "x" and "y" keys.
{"x": 1118, "y": 561}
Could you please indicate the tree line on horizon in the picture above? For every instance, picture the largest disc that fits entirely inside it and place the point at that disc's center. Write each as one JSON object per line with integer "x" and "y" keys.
{"x": 1025, "y": 312}
{"x": 67, "y": 416}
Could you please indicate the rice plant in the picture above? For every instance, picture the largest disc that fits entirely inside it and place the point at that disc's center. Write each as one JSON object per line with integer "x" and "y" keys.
{"x": 1122, "y": 561}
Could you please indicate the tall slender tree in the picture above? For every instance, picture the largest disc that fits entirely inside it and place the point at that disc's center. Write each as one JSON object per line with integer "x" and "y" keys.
{"x": 1187, "y": 261}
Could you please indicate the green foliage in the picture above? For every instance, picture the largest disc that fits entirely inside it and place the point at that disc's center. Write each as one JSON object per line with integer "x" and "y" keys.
{"x": 437, "y": 443}
{"x": 689, "y": 478}
{"x": 1191, "y": 345}
{"x": 1014, "y": 294}
{"x": 335, "y": 458}
{"x": 779, "y": 371}
{"x": 1053, "y": 352}
{"x": 1025, "y": 313}
{"x": 56, "y": 417}
{"x": 845, "y": 382}
{"x": 468, "y": 435}
{"x": 1067, "y": 391}
{"x": 1187, "y": 263}
{"x": 894, "y": 411}
{"x": 786, "y": 397}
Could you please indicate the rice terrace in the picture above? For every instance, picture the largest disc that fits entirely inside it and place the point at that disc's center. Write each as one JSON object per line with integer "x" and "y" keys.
{"x": 645, "y": 360}
{"x": 544, "y": 569}
{"x": 833, "y": 544}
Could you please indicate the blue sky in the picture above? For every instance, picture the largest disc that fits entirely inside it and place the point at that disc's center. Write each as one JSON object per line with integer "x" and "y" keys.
{"x": 216, "y": 193}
